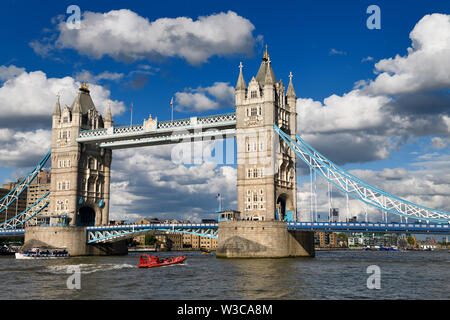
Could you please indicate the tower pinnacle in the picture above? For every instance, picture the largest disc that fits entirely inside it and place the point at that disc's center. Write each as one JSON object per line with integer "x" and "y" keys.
{"x": 241, "y": 85}
{"x": 290, "y": 90}
{"x": 57, "y": 111}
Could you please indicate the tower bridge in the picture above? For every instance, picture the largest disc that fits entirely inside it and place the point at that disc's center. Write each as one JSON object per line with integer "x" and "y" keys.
{"x": 264, "y": 125}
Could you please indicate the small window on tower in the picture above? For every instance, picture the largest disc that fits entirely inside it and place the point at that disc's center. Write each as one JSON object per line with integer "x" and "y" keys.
{"x": 254, "y": 94}
{"x": 254, "y": 111}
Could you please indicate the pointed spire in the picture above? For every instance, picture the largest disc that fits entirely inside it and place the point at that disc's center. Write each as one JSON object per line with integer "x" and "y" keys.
{"x": 108, "y": 113}
{"x": 57, "y": 111}
{"x": 270, "y": 77}
{"x": 290, "y": 90}
{"x": 241, "y": 85}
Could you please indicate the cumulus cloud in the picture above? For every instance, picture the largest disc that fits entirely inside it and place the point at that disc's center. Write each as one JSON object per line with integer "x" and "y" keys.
{"x": 27, "y": 100}
{"x": 23, "y": 148}
{"x": 219, "y": 95}
{"x": 91, "y": 78}
{"x": 426, "y": 182}
{"x": 438, "y": 143}
{"x": 425, "y": 67}
{"x": 126, "y": 36}
{"x": 164, "y": 188}
{"x": 7, "y": 72}
{"x": 408, "y": 98}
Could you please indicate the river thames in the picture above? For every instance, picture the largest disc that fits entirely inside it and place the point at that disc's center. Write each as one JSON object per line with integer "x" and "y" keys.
{"x": 330, "y": 275}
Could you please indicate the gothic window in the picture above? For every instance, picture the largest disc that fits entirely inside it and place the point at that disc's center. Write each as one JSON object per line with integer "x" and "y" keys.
{"x": 249, "y": 173}
{"x": 64, "y": 134}
{"x": 91, "y": 163}
{"x": 255, "y": 173}
{"x": 254, "y": 111}
{"x": 65, "y": 119}
{"x": 260, "y": 110}
{"x": 261, "y": 191}
{"x": 254, "y": 94}
{"x": 255, "y": 198}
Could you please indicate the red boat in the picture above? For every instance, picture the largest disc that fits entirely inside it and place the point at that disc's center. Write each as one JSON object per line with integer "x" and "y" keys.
{"x": 145, "y": 261}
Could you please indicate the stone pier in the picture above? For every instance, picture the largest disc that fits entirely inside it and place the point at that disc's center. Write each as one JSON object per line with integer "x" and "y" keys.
{"x": 74, "y": 239}
{"x": 262, "y": 239}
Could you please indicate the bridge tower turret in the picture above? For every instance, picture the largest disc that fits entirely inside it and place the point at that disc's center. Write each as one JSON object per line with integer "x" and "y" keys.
{"x": 80, "y": 174}
{"x": 266, "y": 177}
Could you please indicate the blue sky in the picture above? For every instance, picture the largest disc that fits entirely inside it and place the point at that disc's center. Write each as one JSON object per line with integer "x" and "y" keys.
{"x": 326, "y": 45}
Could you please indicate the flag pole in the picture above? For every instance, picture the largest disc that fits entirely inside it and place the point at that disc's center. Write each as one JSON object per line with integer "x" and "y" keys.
{"x": 171, "y": 105}
{"x": 131, "y": 115}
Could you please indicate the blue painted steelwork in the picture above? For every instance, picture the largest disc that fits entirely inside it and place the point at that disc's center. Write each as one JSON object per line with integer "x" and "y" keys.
{"x": 114, "y": 233}
{"x": 435, "y": 228}
{"x": 27, "y": 214}
{"x": 14, "y": 194}
{"x": 100, "y": 234}
{"x": 357, "y": 188}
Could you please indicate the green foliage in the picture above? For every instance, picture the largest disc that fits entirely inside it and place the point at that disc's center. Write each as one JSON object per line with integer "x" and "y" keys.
{"x": 150, "y": 239}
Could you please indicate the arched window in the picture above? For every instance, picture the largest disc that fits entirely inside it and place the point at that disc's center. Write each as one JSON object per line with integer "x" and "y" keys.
{"x": 91, "y": 163}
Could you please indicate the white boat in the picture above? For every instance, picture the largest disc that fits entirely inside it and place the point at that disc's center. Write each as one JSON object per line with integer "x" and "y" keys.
{"x": 38, "y": 253}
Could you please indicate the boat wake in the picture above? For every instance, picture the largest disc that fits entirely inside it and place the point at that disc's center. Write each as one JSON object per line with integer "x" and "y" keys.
{"x": 87, "y": 268}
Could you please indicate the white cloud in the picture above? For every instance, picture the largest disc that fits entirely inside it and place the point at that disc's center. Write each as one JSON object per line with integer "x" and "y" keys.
{"x": 126, "y": 36}
{"x": 23, "y": 149}
{"x": 337, "y": 52}
{"x": 427, "y": 65}
{"x": 147, "y": 183}
{"x": 407, "y": 99}
{"x": 427, "y": 183}
{"x": 91, "y": 78}
{"x": 28, "y": 99}
{"x": 366, "y": 59}
{"x": 219, "y": 95}
{"x": 438, "y": 143}
{"x": 10, "y": 72}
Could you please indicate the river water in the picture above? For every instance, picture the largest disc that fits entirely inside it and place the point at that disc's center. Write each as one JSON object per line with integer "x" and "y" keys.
{"x": 330, "y": 275}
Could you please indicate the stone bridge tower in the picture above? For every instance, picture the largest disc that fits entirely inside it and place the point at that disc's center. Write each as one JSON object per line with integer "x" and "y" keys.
{"x": 80, "y": 174}
{"x": 266, "y": 177}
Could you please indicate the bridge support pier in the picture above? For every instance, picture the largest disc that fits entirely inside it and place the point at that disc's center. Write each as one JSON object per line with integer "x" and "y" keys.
{"x": 262, "y": 239}
{"x": 73, "y": 239}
